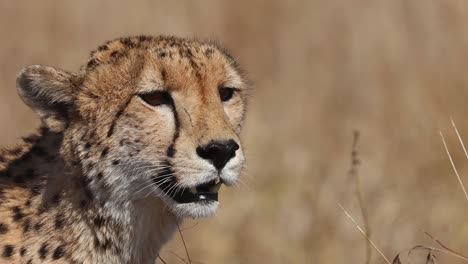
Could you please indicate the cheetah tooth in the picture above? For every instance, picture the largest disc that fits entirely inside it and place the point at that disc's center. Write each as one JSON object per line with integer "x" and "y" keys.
{"x": 216, "y": 187}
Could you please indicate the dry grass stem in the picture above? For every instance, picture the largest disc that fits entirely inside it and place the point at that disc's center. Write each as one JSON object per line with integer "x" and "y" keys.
{"x": 162, "y": 260}
{"x": 179, "y": 257}
{"x": 183, "y": 241}
{"x": 460, "y": 255}
{"x": 364, "y": 233}
{"x": 453, "y": 166}
{"x": 459, "y": 138}
{"x": 444, "y": 251}
{"x": 430, "y": 258}
{"x": 190, "y": 227}
{"x": 354, "y": 173}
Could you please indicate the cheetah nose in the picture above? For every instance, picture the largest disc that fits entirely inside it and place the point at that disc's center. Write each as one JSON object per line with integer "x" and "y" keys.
{"x": 218, "y": 152}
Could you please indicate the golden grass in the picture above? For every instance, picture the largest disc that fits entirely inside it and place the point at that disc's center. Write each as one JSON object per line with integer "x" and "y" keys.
{"x": 430, "y": 258}
{"x": 364, "y": 234}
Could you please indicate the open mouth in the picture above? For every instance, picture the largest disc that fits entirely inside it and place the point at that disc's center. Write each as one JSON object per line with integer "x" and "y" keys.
{"x": 205, "y": 192}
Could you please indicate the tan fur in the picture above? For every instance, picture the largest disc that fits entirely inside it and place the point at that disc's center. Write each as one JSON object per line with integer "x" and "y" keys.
{"x": 83, "y": 189}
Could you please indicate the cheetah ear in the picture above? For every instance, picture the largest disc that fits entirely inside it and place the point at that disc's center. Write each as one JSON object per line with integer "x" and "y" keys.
{"x": 49, "y": 92}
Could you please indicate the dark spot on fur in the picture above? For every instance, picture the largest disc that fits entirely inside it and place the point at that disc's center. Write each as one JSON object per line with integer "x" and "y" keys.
{"x": 29, "y": 261}
{"x": 26, "y": 225}
{"x": 99, "y": 175}
{"x": 17, "y": 213}
{"x": 143, "y": 38}
{"x": 114, "y": 54}
{"x": 28, "y": 203}
{"x": 23, "y": 251}
{"x": 38, "y": 226}
{"x": 87, "y": 145}
{"x": 162, "y": 54}
{"x": 209, "y": 51}
{"x": 15, "y": 151}
{"x": 98, "y": 221}
{"x": 103, "y": 48}
{"x": 116, "y": 162}
{"x": 59, "y": 221}
{"x": 189, "y": 53}
{"x": 102, "y": 246}
{"x": 58, "y": 252}
{"x": 3, "y": 228}
{"x": 43, "y": 250}
{"x": 128, "y": 43}
{"x": 89, "y": 166}
{"x": 8, "y": 251}
{"x": 104, "y": 152}
{"x": 92, "y": 63}
{"x": 42, "y": 209}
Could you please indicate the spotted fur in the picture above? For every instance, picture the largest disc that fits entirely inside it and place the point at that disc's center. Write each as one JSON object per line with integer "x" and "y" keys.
{"x": 84, "y": 188}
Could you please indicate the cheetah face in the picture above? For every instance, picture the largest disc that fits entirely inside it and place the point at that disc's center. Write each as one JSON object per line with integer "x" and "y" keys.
{"x": 187, "y": 138}
{"x": 199, "y": 149}
{"x": 149, "y": 118}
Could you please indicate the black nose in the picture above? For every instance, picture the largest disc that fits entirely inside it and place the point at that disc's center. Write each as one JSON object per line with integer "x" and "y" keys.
{"x": 218, "y": 152}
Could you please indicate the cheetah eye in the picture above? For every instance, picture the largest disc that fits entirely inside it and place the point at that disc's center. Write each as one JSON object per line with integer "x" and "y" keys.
{"x": 156, "y": 98}
{"x": 226, "y": 93}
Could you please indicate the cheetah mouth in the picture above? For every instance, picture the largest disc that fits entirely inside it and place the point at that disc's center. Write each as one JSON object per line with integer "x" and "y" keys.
{"x": 202, "y": 193}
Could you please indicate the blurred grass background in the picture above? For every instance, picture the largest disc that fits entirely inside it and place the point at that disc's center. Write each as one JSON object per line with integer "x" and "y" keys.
{"x": 394, "y": 70}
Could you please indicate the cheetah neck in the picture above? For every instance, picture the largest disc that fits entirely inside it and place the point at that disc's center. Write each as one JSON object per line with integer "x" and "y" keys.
{"x": 92, "y": 230}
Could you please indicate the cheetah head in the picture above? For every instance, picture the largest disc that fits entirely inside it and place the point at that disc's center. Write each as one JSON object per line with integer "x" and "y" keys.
{"x": 153, "y": 118}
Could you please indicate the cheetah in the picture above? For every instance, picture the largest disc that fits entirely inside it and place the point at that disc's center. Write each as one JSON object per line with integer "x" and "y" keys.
{"x": 139, "y": 138}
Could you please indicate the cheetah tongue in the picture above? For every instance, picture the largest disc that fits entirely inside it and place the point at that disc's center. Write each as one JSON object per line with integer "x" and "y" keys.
{"x": 193, "y": 190}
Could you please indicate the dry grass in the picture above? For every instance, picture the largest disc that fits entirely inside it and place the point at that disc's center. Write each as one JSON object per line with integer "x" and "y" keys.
{"x": 394, "y": 70}
{"x": 364, "y": 234}
{"x": 430, "y": 257}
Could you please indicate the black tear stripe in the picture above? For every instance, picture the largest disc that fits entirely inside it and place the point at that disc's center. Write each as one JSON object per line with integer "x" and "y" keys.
{"x": 117, "y": 116}
{"x": 171, "y": 149}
